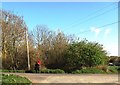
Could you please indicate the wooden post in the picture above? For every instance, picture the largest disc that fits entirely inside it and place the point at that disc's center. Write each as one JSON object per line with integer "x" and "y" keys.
{"x": 27, "y": 49}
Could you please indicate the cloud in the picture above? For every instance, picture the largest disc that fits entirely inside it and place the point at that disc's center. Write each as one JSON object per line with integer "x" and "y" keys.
{"x": 96, "y": 31}
{"x": 107, "y": 32}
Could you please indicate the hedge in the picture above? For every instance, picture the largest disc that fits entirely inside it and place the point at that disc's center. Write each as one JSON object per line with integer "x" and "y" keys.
{"x": 47, "y": 71}
{"x": 13, "y": 71}
{"x": 89, "y": 70}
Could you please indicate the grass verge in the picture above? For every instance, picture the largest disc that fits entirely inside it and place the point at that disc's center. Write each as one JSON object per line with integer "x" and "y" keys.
{"x": 10, "y": 79}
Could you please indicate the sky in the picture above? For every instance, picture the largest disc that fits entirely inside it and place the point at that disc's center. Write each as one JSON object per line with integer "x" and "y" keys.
{"x": 73, "y": 18}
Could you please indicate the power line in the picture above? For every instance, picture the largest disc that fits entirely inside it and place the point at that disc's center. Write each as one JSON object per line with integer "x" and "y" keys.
{"x": 87, "y": 16}
{"x": 94, "y": 12}
{"x": 91, "y": 18}
{"x": 74, "y": 24}
{"x": 100, "y": 27}
{"x": 109, "y": 24}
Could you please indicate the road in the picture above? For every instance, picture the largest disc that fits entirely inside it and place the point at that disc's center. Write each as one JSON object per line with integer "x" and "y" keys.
{"x": 70, "y": 78}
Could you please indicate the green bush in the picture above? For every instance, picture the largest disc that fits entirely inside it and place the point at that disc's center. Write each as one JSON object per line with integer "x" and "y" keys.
{"x": 46, "y": 71}
{"x": 88, "y": 70}
{"x": 13, "y": 71}
{"x": 77, "y": 72}
{"x": 20, "y": 71}
{"x": 85, "y": 53}
{"x": 5, "y": 70}
{"x": 59, "y": 71}
{"x": 113, "y": 69}
{"x": 52, "y": 71}
{"x": 118, "y": 69}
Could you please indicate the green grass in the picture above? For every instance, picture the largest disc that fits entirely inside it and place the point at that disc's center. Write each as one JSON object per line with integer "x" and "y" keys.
{"x": 113, "y": 69}
{"x": 10, "y": 79}
{"x": 13, "y": 71}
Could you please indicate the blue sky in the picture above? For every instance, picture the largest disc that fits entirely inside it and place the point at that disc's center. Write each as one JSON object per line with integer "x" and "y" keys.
{"x": 73, "y": 18}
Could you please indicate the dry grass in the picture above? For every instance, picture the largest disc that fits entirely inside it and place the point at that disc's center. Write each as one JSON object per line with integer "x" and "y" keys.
{"x": 103, "y": 67}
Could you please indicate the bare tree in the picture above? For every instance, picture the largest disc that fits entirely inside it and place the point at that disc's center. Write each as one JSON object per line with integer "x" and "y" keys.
{"x": 13, "y": 29}
{"x": 51, "y": 46}
{"x": 40, "y": 35}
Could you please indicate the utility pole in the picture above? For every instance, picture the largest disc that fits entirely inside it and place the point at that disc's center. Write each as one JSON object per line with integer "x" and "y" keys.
{"x": 27, "y": 49}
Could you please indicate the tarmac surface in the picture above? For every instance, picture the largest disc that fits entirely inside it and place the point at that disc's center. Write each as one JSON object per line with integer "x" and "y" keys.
{"x": 110, "y": 79}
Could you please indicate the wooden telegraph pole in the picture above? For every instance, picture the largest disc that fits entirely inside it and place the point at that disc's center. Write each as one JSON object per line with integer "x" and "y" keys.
{"x": 27, "y": 49}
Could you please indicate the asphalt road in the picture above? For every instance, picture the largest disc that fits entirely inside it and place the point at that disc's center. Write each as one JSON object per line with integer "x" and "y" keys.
{"x": 70, "y": 78}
